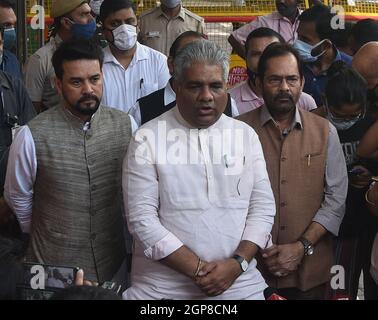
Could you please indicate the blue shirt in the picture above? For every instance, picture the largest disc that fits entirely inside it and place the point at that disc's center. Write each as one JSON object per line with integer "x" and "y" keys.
{"x": 11, "y": 65}
{"x": 315, "y": 84}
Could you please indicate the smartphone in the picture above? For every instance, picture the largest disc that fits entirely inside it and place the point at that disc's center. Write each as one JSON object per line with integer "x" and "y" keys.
{"x": 355, "y": 172}
{"x": 319, "y": 49}
{"x": 40, "y": 281}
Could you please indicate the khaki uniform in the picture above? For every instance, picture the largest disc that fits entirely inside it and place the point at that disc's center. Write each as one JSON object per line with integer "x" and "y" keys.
{"x": 158, "y": 32}
{"x": 40, "y": 75}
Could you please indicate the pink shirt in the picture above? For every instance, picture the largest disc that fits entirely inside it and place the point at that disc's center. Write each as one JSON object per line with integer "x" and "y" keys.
{"x": 274, "y": 21}
{"x": 247, "y": 100}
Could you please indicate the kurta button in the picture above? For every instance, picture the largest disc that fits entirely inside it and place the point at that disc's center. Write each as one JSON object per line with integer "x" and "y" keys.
{"x": 93, "y": 213}
{"x": 93, "y": 236}
{"x": 283, "y": 204}
{"x": 283, "y": 159}
{"x": 282, "y": 228}
{"x": 283, "y": 181}
{"x": 90, "y": 161}
{"x": 94, "y": 188}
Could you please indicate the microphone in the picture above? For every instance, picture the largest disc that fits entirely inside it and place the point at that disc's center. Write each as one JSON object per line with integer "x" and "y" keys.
{"x": 272, "y": 294}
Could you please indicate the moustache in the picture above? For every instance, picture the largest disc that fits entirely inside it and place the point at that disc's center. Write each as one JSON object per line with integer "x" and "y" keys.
{"x": 88, "y": 97}
{"x": 284, "y": 96}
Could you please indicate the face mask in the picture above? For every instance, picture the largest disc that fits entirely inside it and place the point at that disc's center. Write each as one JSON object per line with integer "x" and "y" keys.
{"x": 9, "y": 38}
{"x": 171, "y": 3}
{"x": 342, "y": 124}
{"x": 95, "y": 6}
{"x": 304, "y": 49}
{"x": 125, "y": 37}
{"x": 252, "y": 76}
{"x": 84, "y": 30}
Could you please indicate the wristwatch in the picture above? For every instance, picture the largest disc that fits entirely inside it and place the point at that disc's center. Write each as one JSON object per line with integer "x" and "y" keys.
{"x": 242, "y": 262}
{"x": 308, "y": 246}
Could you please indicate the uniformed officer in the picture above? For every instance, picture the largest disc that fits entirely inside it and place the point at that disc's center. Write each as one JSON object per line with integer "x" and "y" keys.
{"x": 160, "y": 26}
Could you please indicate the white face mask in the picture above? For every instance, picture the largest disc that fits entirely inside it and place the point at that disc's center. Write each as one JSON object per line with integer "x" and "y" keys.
{"x": 171, "y": 3}
{"x": 125, "y": 37}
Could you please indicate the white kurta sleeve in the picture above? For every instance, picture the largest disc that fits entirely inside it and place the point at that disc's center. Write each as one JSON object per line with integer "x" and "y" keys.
{"x": 262, "y": 207}
{"x": 20, "y": 178}
{"x": 141, "y": 196}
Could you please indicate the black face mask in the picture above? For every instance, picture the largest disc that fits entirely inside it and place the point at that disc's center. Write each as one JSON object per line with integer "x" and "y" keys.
{"x": 252, "y": 76}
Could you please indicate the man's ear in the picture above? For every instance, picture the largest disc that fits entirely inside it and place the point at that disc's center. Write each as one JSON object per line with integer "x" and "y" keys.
{"x": 65, "y": 23}
{"x": 259, "y": 84}
{"x": 58, "y": 85}
{"x": 170, "y": 65}
{"x": 303, "y": 80}
{"x": 174, "y": 84}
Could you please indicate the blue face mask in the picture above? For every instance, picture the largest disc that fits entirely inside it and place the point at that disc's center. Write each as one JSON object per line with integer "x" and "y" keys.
{"x": 304, "y": 49}
{"x": 84, "y": 30}
{"x": 9, "y": 38}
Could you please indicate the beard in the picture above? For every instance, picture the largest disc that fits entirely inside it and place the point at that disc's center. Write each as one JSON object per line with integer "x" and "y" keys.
{"x": 87, "y": 105}
{"x": 279, "y": 107}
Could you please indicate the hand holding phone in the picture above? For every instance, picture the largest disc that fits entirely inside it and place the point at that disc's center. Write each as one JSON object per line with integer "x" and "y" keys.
{"x": 319, "y": 48}
{"x": 356, "y": 171}
{"x": 359, "y": 177}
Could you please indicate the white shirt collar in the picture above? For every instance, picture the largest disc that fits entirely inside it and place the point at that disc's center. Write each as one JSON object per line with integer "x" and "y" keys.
{"x": 140, "y": 54}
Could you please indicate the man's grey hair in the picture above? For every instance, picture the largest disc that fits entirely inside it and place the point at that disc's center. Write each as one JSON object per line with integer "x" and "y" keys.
{"x": 200, "y": 51}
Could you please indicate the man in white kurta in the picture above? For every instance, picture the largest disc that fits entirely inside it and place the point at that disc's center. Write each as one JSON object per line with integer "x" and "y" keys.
{"x": 197, "y": 195}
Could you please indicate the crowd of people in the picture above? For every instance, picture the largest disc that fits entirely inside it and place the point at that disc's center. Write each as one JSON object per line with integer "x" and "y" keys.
{"x": 125, "y": 154}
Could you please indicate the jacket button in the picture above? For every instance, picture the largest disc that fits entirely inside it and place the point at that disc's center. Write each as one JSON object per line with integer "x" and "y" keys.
{"x": 283, "y": 159}
{"x": 283, "y": 181}
{"x": 93, "y": 236}
{"x": 283, "y": 228}
{"x": 283, "y": 204}
{"x": 94, "y": 187}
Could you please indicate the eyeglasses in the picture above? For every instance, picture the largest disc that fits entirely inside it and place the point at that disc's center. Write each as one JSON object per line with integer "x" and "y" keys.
{"x": 276, "y": 81}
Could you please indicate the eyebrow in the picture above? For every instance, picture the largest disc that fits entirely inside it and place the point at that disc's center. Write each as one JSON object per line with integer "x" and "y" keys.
{"x": 288, "y": 76}
{"x": 81, "y": 78}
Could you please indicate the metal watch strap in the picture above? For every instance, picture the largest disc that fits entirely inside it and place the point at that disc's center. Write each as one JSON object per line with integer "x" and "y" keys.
{"x": 306, "y": 244}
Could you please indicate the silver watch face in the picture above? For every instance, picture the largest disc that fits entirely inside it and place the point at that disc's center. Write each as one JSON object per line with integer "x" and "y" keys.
{"x": 310, "y": 250}
{"x": 244, "y": 265}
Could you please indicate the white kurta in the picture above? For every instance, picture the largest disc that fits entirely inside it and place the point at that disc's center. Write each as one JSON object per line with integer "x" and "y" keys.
{"x": 209, "y": 206}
